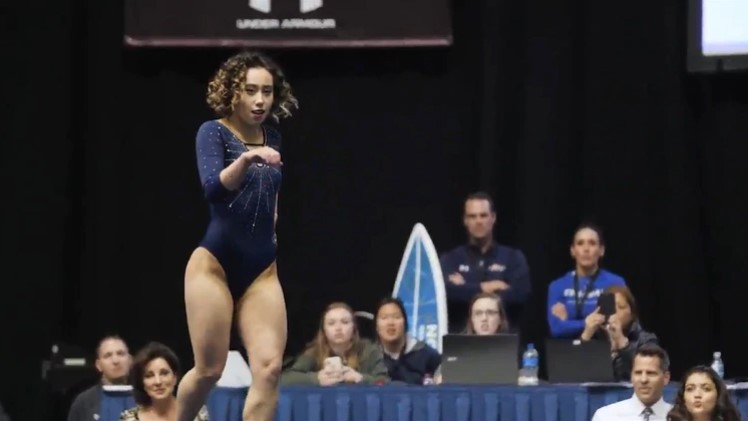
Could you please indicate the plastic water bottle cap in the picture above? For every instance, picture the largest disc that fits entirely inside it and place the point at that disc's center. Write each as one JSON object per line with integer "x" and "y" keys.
{"x": 531, "y": 346}
{"x": 717, "y": 354}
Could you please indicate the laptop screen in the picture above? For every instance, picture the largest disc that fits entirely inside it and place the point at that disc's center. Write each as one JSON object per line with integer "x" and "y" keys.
{"x": 480, "y": 359}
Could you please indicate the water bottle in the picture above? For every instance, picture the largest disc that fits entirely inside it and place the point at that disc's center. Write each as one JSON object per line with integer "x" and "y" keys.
{"x": 428, "y": 380}
{"x": 529, "y": 372}
{"x": 718, "y": 365}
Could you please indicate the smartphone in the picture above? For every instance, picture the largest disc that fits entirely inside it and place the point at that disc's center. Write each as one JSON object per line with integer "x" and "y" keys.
{"x": 334, "y": 363}
{"x": 607, "y": 304}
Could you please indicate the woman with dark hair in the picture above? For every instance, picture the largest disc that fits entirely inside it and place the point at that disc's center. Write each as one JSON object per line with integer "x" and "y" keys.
{"x": 572, "y": 297}
{"x": 703, "y": 396}
{"x": 154, "y": 376}
{"x": 623, "y": 331}
{"x": 231, "y": 277}
{"x": 407, "y": 359}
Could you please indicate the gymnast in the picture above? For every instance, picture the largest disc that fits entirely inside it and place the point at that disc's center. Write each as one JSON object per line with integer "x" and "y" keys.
{"x": 232, "y": 274}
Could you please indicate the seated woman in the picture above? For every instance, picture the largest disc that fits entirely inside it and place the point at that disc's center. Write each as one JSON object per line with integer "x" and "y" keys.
{"x": 338, "y": 354}
{"x": 622, "y": 330}
{"x": 154, "y": 376}
{"x": 572, "y": 297}
{"x": 486, "y": 315}
{"x": 408, "y": 360}
{"x": 703, "y": 397}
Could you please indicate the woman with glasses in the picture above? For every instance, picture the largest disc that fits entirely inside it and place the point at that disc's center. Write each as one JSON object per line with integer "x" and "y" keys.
{"x": 486, "y": 315}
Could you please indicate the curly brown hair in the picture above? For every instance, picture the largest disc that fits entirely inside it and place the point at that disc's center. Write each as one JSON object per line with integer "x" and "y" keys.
{"x": 724, "y": 410}
{"x": 228, "y": 83}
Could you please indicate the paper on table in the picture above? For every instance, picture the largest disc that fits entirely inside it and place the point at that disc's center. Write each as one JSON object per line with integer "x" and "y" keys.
{"x": 236, "y": 373}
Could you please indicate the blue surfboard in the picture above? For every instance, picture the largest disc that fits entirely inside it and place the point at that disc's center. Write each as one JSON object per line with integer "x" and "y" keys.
{"x": 420, "y": 286}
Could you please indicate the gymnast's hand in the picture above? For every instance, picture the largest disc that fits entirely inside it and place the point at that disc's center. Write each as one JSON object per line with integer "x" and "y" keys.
{"x": 265, "y": 155}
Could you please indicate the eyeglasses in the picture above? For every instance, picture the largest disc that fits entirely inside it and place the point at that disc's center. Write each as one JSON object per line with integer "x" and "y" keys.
{"x": 481, "y": 313}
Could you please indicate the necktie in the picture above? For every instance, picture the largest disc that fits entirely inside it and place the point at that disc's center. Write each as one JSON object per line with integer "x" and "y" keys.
{"x": 647, "y": 413}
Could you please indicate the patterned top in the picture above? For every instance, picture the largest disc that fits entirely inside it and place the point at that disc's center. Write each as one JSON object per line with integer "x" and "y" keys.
{"x": 247, "y": 214}
{"x": 132, "y": 414}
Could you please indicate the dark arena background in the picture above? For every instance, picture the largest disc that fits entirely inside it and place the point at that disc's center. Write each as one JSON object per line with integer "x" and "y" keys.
{"x": 562, "y": 111}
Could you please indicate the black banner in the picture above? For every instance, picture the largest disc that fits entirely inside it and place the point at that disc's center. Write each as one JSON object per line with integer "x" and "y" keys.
{"x": 287, "y": 23}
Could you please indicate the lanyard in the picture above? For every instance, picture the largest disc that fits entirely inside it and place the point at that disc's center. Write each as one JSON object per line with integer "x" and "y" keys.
{"x": 579, "y": 301}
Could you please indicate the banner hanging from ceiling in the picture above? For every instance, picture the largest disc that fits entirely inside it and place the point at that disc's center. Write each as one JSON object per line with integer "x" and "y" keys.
{"x": 287, "y": 23}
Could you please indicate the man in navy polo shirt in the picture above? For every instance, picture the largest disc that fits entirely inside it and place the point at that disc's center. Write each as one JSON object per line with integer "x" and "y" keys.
{"x": 483, "y": 265}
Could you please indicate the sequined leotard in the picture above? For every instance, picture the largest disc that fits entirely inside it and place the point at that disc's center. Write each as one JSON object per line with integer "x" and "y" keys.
{"x": 241, "y": 233}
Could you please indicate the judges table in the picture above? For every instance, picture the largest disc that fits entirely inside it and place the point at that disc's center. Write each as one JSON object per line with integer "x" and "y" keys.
{"x": 432, "y": 403}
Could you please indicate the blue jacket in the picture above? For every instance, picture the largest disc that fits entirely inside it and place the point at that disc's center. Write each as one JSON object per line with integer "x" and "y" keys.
{"x": 498, "y": 263}
{"x": 562, "y": 291}
{"x": 417, "y": 360}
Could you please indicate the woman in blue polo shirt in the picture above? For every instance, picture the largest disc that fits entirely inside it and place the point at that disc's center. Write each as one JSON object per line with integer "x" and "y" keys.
{"x": 573, "y": 296}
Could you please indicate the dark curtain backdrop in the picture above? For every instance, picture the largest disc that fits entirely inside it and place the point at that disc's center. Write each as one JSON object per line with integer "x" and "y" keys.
{"x": 561, "y": 111}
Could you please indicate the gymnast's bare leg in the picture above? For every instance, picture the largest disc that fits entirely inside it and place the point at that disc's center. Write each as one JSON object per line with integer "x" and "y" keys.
{"x": 239, "y": 164}
{"x": 209, "y": 313}
{"x": 263, "y": 327}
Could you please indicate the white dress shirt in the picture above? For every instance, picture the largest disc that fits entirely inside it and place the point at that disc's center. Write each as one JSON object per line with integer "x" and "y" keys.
{"x": 631, "y": 410}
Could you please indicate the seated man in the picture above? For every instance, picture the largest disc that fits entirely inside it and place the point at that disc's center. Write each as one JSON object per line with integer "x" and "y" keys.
{"x": 483, "y": 266}
{"x": 113, "y": 361}
{"x": 649, "y": 375}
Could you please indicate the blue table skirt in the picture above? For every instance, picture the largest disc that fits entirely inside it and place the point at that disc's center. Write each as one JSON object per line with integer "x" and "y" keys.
{"x": 434, "y": 403}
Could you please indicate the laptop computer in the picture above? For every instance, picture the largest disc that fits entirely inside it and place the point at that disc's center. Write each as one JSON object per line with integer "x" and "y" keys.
{"x": 474, "y": 359}
{"x": 576, "y": 361}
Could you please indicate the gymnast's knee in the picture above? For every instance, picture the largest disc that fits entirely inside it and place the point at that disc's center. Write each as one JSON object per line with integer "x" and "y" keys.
{"x": 208, "y": 376}
{"x": 267, "y": 371}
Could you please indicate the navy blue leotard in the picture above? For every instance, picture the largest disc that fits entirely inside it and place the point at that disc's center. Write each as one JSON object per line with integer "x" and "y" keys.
{"x": 241, "y": 233}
